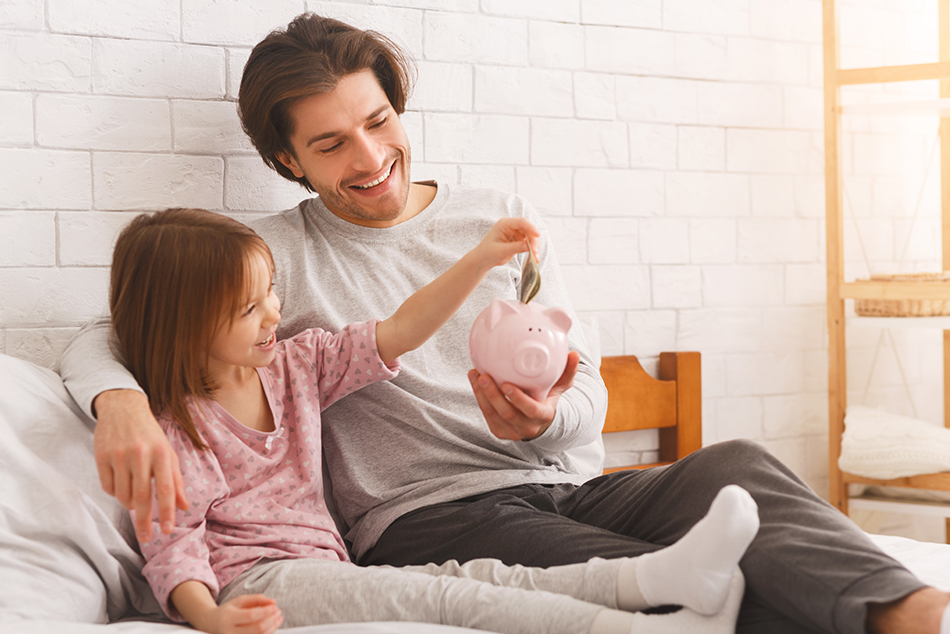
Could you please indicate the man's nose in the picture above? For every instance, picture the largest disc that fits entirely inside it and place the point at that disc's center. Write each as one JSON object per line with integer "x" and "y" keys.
{"x": 369, "y": 155}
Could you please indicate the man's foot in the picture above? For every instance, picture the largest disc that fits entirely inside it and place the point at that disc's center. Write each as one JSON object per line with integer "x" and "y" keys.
{"x": 696, "y": 571}
{"x": 685, "y": 620}
{"x": 925, "y": 611}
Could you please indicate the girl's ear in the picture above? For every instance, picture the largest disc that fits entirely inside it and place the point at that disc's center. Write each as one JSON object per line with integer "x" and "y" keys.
{"x": 288, "y": 161}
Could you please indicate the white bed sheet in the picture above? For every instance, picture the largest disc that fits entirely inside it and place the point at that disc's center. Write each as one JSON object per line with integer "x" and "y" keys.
{"x": 928, "y": 560}
{"x": 142, "y": 627}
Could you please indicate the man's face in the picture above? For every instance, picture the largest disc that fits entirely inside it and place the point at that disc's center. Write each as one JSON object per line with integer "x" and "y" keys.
{"x": 350, "y": 145}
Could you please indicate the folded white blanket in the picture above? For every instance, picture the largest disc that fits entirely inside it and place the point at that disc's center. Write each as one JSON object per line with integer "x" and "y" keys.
{"x": 877, "y": 444}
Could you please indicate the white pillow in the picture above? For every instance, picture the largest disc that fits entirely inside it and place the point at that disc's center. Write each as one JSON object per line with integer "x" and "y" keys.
{"x": 67, "y": 550}
{"x": 877, "y": 444}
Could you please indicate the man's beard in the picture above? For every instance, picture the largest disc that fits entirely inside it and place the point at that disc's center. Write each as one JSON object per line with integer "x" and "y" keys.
{"x": 344, "y": 205}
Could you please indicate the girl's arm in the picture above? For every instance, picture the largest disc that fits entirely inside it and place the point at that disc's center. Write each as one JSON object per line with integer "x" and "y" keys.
{"x": 431, "y": 306}
{"x": 250, "y": 612}
{"x": 182, "y": 555}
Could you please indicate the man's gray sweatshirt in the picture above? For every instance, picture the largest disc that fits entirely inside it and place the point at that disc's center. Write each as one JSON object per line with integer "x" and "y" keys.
{"x": 419, "y": 439}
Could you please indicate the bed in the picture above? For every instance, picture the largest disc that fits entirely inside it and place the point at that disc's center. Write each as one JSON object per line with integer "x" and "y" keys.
{"x": 67, "y": 551}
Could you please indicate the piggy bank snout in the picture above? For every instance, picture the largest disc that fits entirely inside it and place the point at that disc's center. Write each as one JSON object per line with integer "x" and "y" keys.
{"x": 531, "y": 359}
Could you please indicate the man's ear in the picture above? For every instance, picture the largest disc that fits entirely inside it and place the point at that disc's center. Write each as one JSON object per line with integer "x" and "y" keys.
{"x": 288, "y": 160}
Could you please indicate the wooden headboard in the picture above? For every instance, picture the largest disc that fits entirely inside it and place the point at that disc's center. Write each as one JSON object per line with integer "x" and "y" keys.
{"x": 672, "y": 402}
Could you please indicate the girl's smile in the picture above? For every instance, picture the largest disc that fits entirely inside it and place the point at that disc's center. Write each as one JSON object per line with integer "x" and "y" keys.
{"x": 270, "y": 342}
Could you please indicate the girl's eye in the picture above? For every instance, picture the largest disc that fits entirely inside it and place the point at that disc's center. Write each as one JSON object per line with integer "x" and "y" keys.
{"x": 249, "y": 310}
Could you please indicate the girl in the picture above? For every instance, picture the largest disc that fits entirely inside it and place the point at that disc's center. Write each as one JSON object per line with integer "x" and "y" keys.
{"x": 195, "y": 315}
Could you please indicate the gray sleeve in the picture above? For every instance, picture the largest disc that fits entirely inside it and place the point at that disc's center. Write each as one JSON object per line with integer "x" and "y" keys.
{"x": 580, "y": 414}
{"x": 89, "y": 366}
{"x": 582, "y": 409}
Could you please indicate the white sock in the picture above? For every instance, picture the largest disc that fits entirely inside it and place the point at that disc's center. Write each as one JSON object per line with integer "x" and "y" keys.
{"x": 945, "y": 621}
{"x": 696, "y": 571}
{"x": 686, "y": 621}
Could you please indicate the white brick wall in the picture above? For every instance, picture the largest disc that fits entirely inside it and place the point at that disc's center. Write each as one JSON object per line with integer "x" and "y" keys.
{"x": 674, "y": 146}
{"x": 556, "y": 45}
{"x": 127, "y": 180}
{"x": 524, "y": 91}
{"x": 86, "y": 238}
{"x": 103, "y": 123}
{"x": 476, "y": 139}
{"x": 36, "y": 178}
{"x": 607, "y": 192}
{"x": 646, "y": 14}
{"x": 22, "y": 15}
{"x": 45, "y": 61}
{"x": 554, "y": 10}
{"x": 141, "y": 19}
{"x": 16, "y": 125}
{"x": 477, "y": 39}
{"x": 27, "y": 238}
{"x": 242, "y": 23}
{"x": 157, "y": 69}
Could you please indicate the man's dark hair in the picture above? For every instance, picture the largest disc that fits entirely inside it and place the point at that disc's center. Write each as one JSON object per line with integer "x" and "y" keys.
{"x": 309, "y": 57}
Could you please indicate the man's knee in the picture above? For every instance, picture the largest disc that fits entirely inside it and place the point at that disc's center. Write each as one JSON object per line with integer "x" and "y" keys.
{"x": 739, "y": 451}
{"x": 741, "y": 462}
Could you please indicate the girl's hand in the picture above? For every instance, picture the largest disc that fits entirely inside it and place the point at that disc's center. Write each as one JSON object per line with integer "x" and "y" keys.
{"x": 505, "y": 240}
{"x": 432, "y": 305}
{"x": 247, "y": 614}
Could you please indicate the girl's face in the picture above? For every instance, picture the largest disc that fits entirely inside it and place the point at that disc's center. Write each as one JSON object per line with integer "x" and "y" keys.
{"x": 251, "y": 338}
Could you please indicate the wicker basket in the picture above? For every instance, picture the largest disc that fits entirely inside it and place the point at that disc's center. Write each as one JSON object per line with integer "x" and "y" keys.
{"x": 905, "y": 307}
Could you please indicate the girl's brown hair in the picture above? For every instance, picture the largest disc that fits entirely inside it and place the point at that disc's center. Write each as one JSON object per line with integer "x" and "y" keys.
{"x": 307, "y": 58}
{"x": 177, "y": 277}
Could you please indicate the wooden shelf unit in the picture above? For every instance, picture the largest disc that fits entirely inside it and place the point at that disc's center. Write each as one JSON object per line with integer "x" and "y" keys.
{"x": 838, "y": 290}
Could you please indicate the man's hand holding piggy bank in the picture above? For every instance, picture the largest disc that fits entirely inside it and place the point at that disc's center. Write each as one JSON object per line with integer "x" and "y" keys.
{"x": 521, "y": 344}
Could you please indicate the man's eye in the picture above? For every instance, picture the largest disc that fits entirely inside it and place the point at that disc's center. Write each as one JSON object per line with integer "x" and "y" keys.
{"x": 333, "y": 147}
{"x": 380, "y": 122}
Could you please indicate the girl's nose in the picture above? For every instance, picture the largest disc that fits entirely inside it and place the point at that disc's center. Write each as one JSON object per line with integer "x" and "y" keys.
{"x": 273, "y": 311}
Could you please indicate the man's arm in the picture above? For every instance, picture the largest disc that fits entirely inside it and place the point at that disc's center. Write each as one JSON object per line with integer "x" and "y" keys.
{"x": 130, "y": 447}
{"x": 573, "y": 414}
{"x": 89, "y": 366}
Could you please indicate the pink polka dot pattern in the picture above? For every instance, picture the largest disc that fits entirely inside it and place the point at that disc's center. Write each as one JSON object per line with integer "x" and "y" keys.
{"x": 256, "y": 494}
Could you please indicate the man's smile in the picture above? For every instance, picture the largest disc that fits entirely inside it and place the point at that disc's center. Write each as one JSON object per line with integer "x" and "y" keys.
{"x": 378, "y": 180}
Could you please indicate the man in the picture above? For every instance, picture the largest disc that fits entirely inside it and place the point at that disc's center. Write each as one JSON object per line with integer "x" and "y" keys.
{"x": 418, "y": 475}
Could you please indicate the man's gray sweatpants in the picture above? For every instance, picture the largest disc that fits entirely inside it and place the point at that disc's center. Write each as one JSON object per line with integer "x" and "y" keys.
{"x": 809, "y": 569}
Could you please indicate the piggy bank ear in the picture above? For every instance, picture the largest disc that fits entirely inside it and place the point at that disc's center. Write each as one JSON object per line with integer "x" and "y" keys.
{"x": 498, "y": 309}
{"x": 560, "y": 318}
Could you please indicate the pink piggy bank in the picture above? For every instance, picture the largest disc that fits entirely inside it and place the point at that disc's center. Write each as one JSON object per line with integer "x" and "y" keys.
{"x": 521, "y": 344}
